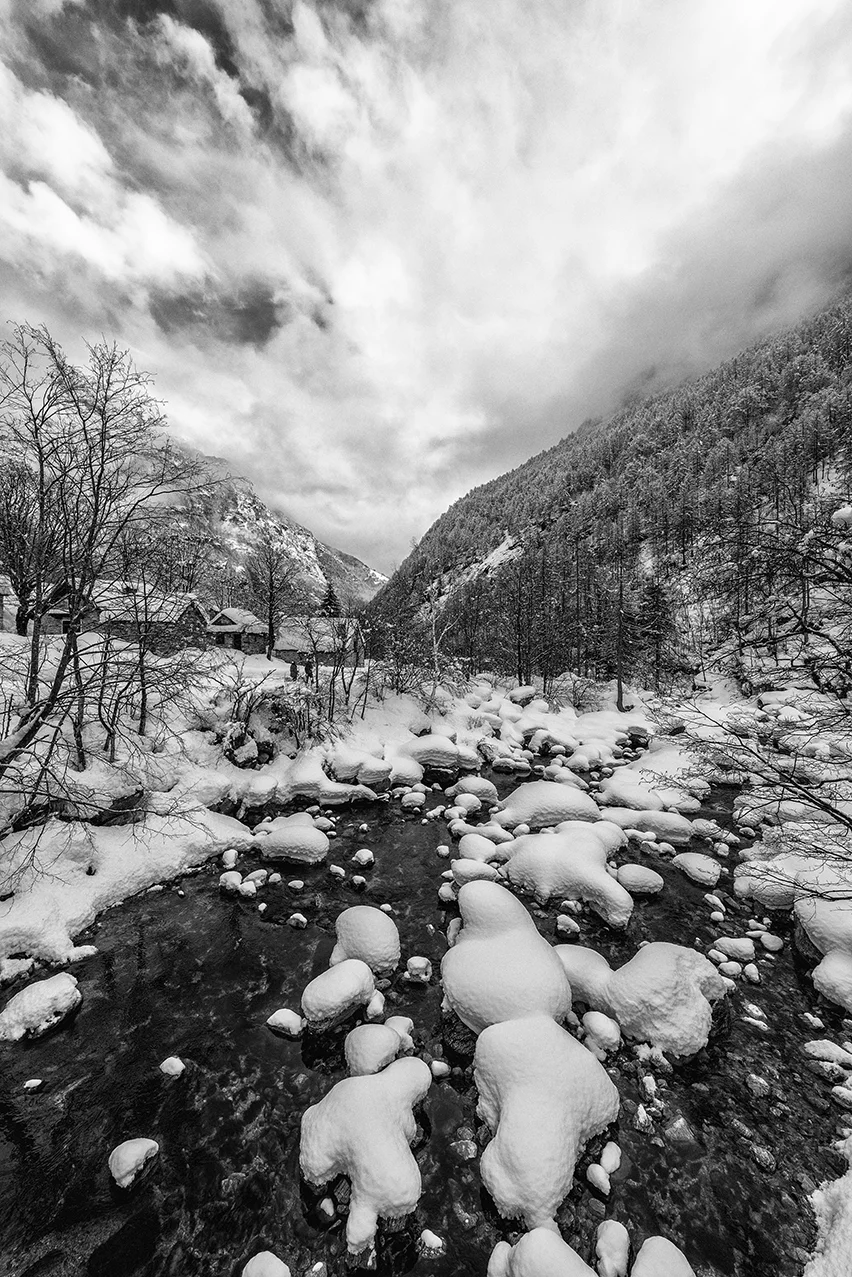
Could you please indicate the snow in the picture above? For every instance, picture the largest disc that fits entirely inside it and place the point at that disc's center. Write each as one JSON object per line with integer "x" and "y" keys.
{"x": 659, "y": 1257}
{"x": 541, "y": 803}
{"x": 663, "y": 995}
{"x": 287, "y": 1022}
{"x": 56, "y": 897}
{"x": 172, "y": 1066}
{"x": 292, "y": 838}
{"x": 571, "y": 863}
{"x": 128, "y": 1159}
{"x": 337, "y": 993}
{"x": 500, "y": 968}
{"x": 700, "y": 868}
{"x": 432, "y": 751}
{"x": 362, "y": 1129}
{"x": 639, "y": 880}
{"x": 612, "y": 1248}
{"x": 832, "y": 1203}
{"x": 667, "y": 826}
{"x": 365, "y": 932}
{"x": 540, "y": 1253}
{"x": 543, "y": 1096}
{"x": 38, "y": 1007}
{"x": 369, "y": 1047}
{"x": 265, "y": 1264}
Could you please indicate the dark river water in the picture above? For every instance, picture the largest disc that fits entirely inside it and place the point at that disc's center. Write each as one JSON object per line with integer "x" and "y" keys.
{"x": 196, "y": 975}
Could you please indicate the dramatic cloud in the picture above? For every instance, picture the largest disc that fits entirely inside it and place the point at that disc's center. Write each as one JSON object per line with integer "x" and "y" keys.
{"x": 376, "y": 253}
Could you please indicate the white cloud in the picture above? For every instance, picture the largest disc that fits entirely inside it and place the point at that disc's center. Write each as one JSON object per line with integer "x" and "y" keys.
{"x": 484, "y": 218}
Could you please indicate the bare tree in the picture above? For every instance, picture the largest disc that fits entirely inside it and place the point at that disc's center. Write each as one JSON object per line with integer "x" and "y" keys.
{"x": 269, "y": 575}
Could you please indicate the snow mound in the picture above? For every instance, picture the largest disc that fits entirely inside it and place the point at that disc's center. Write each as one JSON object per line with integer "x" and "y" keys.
{"x": 434, "y": 752}
{"x": 369, "y": 1047}
{"x": 572, "y": 864}
{"x": 543, "y": 1096}
{"x": 624, "y": 789}
{"x": 362, "y": 1129}
{"x": 659, "y": 1257}
{"x": 39, "y": 1007}
{"x": 542, "y": 803}
{"x": 292, "y": 838}
{"x": 541, "y": 1253}
{"x": 663, "y": 995}
{"x": 337, "y": 993}
{"x": 265, "y": 1264}
{"x": 365, "y": 932}
{"x": 484, "y": 790}
{"x": 500, "y": 968}
{"x": 478, "y": 847}
{"x": 127, "y": 1160}
{"x": 667, "y": 826}
{"x": 701, "y": 869}
{"x": 639, "y": 880}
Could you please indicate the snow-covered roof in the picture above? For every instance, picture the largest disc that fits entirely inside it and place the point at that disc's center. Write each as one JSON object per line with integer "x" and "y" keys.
{"x": 304, "y": 633}
{"x": 6, "y": 586}
{"x": 237, "y": 620}
{"x": 132, "y": 601}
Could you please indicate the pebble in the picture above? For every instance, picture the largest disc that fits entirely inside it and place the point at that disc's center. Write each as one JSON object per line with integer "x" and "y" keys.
{"x": 33, "y": 1083}
{"x": 297, "y": 920}
{"x": 770, "y": 942}
{"x": 431, "y": 1242}
{"x": 439, "y": 1068}
{"x": 336, "y": 871}
{"x": 763, "y": 1158}
{"x": 296, "y": 884}
{"x": 758, "y": 1086}
{"x": 751, "y": 973}
{"x": 464, "y": 1150}
{"x": 598, "y": 1178}
{"x": 172, "y": 1066}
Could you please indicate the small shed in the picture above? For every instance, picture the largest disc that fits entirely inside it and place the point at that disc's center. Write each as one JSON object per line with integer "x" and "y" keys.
{"x": 238, "y": 628}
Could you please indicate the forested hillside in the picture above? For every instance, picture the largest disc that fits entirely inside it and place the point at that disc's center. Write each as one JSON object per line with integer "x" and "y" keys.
{"x": 636, "y": 544}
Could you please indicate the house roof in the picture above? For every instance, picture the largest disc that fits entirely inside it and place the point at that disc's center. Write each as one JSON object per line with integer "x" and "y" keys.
{"x": 130, "y": 601}
{"x": 237, "y": 620}
{"x": 304, "y": 633}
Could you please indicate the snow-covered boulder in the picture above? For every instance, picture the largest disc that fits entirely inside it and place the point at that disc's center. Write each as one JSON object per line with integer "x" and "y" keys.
{"x": 375, "y": 772}
{"x": 265, "y": 1264}
{"x": 668, "y": 826}
{"x": 701, "y": 869}
{"x": 294, "y": 838}
{"x": 639, "y": 880}
{"x": 469, "y": 870}
{"x": 484, "y": 790}
{"x": 39, "y": 1007}
{"x": 541, "y": 1253}
{"x": 833, "y": 978}
{"x": 337, "y": 993}
{"x": 366, "y": 932}
{"x": 434, "y": 752}
{"x": 286, "y": 1022}
{"x": 542, "y": 803}
{"x": 369, "y": 1047}
{"x": 663, "y": 995}
{"x": 500, "y": 968}
{"x": 612, "y": 1248}
{"x": 571, "y": 864}
{"x": 625, "y": 789}
{"x": 363, "y": 1129}
{"x": 478, "y": 847}
{"x": 127, "y": 1160}
{"x": 658, "y": 1257}
{"x": 543, "y": 1096}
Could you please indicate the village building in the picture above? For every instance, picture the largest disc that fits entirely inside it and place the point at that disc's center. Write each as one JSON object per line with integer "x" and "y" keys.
{"x": 324, "y": 640}
{"x": 129, "y": 611}
{"x": 240, "y": 629}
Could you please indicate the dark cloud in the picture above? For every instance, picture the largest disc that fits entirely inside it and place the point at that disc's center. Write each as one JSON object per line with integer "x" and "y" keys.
{"x": 249, "y": 316}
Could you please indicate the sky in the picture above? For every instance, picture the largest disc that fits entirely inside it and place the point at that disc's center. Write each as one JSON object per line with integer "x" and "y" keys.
{"x": 376, "y": 252}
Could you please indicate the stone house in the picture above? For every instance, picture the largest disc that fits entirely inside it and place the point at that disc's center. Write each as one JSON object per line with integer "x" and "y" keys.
{"x": 321, "y": 639}
{"x": 127, "y": 610}
{"x": 238, "y": 628}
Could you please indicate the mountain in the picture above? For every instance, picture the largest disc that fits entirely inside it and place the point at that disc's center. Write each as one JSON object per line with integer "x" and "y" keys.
{"x": 657, "y": 533}
{"x": 222, "y": 521}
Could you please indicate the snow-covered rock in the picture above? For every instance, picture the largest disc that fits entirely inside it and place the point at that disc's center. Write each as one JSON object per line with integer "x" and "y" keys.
{"x": 362, "y": 1129}
{"x": 667, "y": 826}
{"x": 434, "y": 752}
{"x": 663, "y": 995}
{"x": 701, "y": 869}
{"x": 337, "y": 993}
{"x": 369, "y": 1047}
{"x": 365, "y": 932}
{"x": 572, "y": 863}
{"x": 484, "y": 790}
{"x": 464, "y": 870}
{"x": 39, "y": 1007}
{"x": 542, "y": 803}
{"x": 289, "y": 1023}
{"x": 265, "y": 1264}
{"x": 172, "y": 1066}
{"x": 612, "y": 1248}
{"x": 500, "y": 968}
{"x": 126, "y": 1160}
{"x": 540, "y": 1253}
{"x": 602, "y": 1034}
{"x": 639, "y": 880}
{"x": 658, "y": 1257}
{"x": 543, "y": 1096}
{"x": 293, "y": 838}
